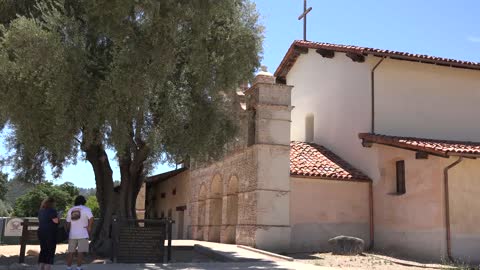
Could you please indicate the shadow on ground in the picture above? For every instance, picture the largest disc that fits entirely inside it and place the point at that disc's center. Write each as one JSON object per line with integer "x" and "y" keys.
{"x": 60, "y": 259}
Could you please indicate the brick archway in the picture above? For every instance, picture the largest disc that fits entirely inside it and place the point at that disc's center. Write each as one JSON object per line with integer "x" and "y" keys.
{"x": 232, "y": 211}
{"x": 201, "y": 213}
{"x": 215, "y": 209}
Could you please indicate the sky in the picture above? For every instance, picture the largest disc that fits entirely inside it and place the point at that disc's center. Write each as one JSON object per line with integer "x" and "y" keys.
{"x": 446, "y": 28}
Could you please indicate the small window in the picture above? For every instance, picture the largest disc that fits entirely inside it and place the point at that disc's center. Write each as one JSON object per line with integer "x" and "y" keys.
{"x": 162, "y": 195}
{"x": 401, "y": 189}
{"x": 174, "y": 191}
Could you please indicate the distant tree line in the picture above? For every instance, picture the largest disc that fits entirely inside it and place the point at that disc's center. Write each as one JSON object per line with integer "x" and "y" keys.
{"x": 21, "y": 199}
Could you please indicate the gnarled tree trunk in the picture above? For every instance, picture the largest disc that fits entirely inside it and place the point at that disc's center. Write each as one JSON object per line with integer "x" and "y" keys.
{"x": 98, "y": 158}
{"x": 119, "y": 201}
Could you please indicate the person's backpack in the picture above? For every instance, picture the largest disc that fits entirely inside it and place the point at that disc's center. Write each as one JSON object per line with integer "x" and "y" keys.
{"x": 62, "y": 233}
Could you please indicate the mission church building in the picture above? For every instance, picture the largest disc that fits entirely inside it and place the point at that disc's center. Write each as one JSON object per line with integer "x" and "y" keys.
{"x": 342, "y": 140}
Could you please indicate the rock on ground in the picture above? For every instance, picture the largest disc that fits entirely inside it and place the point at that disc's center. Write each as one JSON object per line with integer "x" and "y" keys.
{"x": 346, "y": 245}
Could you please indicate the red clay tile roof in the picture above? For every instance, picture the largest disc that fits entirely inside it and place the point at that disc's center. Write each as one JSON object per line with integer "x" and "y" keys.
{"x": 299, "y": 45}
{"x": 439, "y": 147}
{"x": 312, "y": 160}
{"x": 164, "y": 176}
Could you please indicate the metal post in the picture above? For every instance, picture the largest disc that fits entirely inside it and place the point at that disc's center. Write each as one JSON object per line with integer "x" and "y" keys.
{"x": 2, "y": 228}
{"x": 305, "y": 20}
{"x": 23, "y": 241}
{"x": 304, "y": 17}
{"x": 115, "y": 231}
{"x": 169, "y": 236}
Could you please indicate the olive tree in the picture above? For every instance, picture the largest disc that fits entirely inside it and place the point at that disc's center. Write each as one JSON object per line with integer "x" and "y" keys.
{"x": 153, "y": 80}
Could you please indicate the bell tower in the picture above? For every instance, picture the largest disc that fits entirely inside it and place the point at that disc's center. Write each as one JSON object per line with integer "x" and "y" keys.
{"x": 270, "y": 105}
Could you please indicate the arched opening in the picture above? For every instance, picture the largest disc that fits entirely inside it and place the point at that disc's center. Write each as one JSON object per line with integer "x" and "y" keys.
{"x": 202, "y": 197}
{"x": 232, "y": 210}
{"x": 215, "y": 213}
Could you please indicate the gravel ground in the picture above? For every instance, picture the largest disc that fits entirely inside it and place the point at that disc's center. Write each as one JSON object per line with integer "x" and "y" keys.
{"x": 363, "y": 262}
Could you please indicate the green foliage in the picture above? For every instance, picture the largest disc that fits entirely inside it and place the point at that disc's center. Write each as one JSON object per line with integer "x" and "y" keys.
{"x": 141, "y": 77}
{"x": 92, "y": 203}
{"x": 3, "y": 185}
{"x": 5, "y": 209}
{"x": 28, "y": 204}
{"x": 70, "y": 188}
{"x": 16, "y": 188}
{"x": 10, "y": 9}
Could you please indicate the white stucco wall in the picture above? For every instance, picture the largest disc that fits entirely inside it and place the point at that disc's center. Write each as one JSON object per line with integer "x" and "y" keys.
{"x": 411, "y": 99}
{"x": 423, "y": 100}
{"x": 464, "y": 193}
{"x": 322, "y": 209}
{"x": 411, "y": 224}
{"x": 337, "y": 92}
{"x": 180, "y": 183}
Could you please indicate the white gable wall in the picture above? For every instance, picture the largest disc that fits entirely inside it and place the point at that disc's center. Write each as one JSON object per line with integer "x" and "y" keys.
{"x": 411, "y": 99}
{"x": 337, "y": 92}
{"x": 429, "y": 101}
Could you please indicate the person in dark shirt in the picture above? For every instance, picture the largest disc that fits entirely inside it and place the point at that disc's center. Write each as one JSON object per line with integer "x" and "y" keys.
{"x": 47, "y": 233}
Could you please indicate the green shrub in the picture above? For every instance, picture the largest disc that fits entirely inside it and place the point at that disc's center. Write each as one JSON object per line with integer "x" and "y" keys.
{"x": 92, "y": 203}
{"x": 28, "y": 204}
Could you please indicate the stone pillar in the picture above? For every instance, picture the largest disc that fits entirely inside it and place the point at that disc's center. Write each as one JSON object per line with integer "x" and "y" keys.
{"x": 223, "y": 234}
{"x": 270, "y": 103}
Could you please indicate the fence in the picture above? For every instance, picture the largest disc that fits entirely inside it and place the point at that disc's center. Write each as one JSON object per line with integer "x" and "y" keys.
{"x": 139, "y": 241}
{"x": 134, "y": 241}
{"x": 3, "y": 222}
{"x": 29, "y": 236}
{"x": 11, "y": 230}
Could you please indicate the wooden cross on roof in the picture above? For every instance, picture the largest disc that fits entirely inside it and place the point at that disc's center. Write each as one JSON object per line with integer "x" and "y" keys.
{"x": 304, "y": 17}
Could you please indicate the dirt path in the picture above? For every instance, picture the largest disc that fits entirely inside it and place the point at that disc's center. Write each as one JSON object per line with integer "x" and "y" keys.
{"x": 10, "y": 254}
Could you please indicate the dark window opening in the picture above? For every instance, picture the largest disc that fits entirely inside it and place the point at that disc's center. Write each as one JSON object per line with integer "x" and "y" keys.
{"x": 309, "y": 128}
{"x": 162, "y": 195}
{"x": 251, "y": 128}
{"x": 400, "y": 165}
{"x": 174, "y": 191}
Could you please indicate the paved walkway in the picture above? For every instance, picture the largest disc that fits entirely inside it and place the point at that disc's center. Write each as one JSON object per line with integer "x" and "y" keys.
{"x": 204, "y": 266}
{"x": 229, "y": 253}
{"x": 229, "y": 257}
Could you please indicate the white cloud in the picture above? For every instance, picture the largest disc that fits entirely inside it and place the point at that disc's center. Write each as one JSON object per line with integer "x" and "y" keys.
{"x": 475, "y": 39}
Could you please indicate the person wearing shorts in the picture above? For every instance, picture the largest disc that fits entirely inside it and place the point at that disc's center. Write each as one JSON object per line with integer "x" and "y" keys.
{"x": 80, "y": 221}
